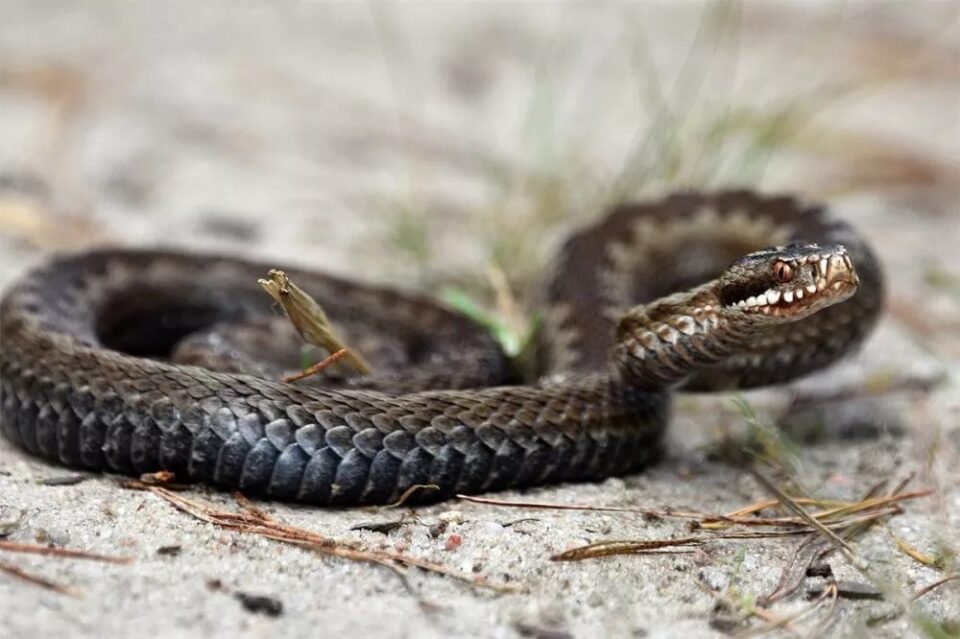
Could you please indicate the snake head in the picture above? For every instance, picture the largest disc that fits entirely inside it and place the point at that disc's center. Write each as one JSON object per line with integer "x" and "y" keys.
{"x": 789, "y": 282}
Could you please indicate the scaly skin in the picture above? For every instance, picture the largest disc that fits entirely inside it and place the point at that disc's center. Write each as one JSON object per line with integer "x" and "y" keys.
{"x": 86, "y": 376}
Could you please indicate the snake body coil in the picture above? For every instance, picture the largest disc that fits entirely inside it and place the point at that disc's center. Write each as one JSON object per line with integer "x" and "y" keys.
{"x": 100, "y": 352}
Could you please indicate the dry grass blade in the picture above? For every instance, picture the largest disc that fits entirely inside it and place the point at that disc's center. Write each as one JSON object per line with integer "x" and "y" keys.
{"x": 625, "y": 547}
{"x": 13, "y": 571}
{"x": 308, "y": 318}
{"x": 841, "y": 512}
{"x": 834, "y": 596}
{"x": 408, "y": 493}
{"x": 795, "y": 572}
{"x": 829, "y": 595}
{"x": 583, "y": 507}
{"x": 253, "y": 521}
{"x": 650, "y": 546}
{"x": 828, "y": 526}
{"x": 35, "y": 549}
{"x": 838, "y": 542}
{"x": 912, "y": 552}
{"x": 835, "y": 514}
{"x": 759, "y": 506}
{"x": 939, "y": 582}
{"x": 250, "y": 507}
{"x": 759, "y": 612}
{"x": 870, "y": 504}
{"x": 809, "y": 550}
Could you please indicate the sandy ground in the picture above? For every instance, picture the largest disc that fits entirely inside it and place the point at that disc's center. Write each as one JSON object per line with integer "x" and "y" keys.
{"x": 282, "y": 131}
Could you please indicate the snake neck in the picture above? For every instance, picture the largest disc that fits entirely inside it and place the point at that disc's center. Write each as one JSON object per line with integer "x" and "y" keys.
{"x": 663, "y": 343}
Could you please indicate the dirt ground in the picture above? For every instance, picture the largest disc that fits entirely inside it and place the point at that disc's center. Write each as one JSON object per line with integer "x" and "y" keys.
{"x": 414, "y": 146}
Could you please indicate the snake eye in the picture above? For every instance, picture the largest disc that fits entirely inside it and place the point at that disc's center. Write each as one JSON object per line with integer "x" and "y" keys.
{"x": 783, "y": 272}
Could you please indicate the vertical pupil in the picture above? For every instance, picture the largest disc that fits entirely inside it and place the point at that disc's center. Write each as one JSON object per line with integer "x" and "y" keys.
{"x": 782, "y": 272}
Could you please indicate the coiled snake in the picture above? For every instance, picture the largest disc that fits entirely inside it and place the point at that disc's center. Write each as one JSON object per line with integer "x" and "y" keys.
{"x": 100, "y": 355}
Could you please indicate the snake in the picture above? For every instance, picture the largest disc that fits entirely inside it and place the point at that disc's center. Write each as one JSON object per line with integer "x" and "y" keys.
{"x": 134, "y": 361}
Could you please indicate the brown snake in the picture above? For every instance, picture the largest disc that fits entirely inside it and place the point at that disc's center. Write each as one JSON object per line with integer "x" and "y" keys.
{"x": 100, "y": 352}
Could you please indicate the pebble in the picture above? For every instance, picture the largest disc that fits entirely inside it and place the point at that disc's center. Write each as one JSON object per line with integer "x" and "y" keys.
{"x": 451, "y": 517}
{"x": 453, "y": 542}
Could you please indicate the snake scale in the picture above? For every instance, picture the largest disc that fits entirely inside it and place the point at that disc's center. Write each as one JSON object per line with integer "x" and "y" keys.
{"x": 137, "y": 361}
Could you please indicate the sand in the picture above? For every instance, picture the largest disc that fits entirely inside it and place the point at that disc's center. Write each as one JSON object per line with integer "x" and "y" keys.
{"x": 275, "y": 130}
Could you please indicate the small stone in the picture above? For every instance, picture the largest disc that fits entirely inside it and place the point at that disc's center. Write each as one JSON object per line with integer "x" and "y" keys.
{"x": 821, "y": 569}
{"x": 451, "y": 517}
{"x": 615, "y": 484}
{"x": 713, "y": 578}
{"x": 606, "y": 526}
{"x": 258, "y": 604}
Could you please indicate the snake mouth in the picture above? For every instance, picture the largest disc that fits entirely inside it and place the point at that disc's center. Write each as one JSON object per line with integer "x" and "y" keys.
{"x": 821, "y": 280}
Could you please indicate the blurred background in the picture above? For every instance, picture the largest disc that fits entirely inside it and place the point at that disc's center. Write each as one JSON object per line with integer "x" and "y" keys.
{"x": 429, "y": 142}
{"x": 449, "y": 147}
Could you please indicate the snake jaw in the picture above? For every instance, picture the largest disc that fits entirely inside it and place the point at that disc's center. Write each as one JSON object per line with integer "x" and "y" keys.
{"x": 807, "y": 279}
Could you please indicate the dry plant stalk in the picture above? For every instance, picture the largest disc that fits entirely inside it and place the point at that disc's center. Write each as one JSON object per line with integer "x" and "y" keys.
{"x": 309, "y": 319}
